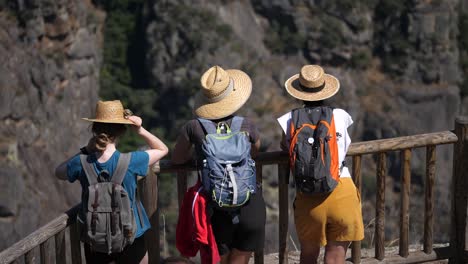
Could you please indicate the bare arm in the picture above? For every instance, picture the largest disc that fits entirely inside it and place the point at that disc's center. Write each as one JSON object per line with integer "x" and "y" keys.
{"x": 157, "y": 148}
{"x": 255, "y": 148}
{"x": 284, "y": 145}
{"x": 182, "y": 151}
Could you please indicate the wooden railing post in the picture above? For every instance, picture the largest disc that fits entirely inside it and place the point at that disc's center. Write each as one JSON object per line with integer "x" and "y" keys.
{"x": 258, "y": 257}
{"x": 149, "y": 197}
{"x": 405, "y": 201}
{"x": 459, "y": 232}
{"x": 283, "y": 174}
{"x": 356, "y": 246}
{"x": 429, "y": 199}
{"x": 380, "y": 207}
{"x": 46, "y": 254}
{"x": 60, "y": 247}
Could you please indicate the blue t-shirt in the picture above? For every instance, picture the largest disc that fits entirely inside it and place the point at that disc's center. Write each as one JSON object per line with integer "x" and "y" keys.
{"x": 138, "y": 166}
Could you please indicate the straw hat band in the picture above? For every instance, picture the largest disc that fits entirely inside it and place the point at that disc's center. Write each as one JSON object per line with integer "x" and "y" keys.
{"x": 310, "y": 89}
{"x": 213, "y": 99}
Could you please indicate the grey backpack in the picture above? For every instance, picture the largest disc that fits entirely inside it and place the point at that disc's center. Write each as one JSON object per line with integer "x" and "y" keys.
{"x": 107, "y": 219}
{"x": 313, "y": 150}
{"x": 228, "y": 172}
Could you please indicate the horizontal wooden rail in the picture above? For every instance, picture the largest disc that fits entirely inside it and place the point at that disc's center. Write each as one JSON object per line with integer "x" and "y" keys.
{"x": 39, "y": 236}
{"x": 359, "y": 148}
{"x": 401, "y": 143}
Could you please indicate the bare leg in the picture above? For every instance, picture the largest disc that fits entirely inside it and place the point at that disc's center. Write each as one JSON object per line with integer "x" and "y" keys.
{"x": 309, "y": 253}
{"x": 225, "y": 258}
{"x": 144, "y": 260}
{"x": 335, "y": 252}
{"x": 239, "y": 257}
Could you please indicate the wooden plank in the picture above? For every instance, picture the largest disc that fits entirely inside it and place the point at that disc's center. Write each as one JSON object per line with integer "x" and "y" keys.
{"x": 60, "y": 247}
{"x": 283, "y": 193}
{"x": 39, "y": 236}
{"x": 30, "y": 257}
{"x": 259, "y": 254}
{"x": 405, "y": 201}
{"x": 413, "y": 257}
{"x": 401, "y": 143}
{"x": 380, "y": 207}
{"x": 46, "y": 251}
{"x": 75, "y": 244}
{"x": 356, "y": 245}
{"x": 429, "y": 199}
{"x": 459, "y": 231}
{"x": 181, "y": 186}
{"x": 149, "y": 198}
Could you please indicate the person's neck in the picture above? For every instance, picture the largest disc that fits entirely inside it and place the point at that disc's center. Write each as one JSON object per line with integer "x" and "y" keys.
{"x": 107, "y": 153}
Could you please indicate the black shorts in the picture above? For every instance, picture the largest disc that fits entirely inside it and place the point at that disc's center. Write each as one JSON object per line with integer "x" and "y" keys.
{"x": 132, "y": 254}
{"x": 248, "y": 234}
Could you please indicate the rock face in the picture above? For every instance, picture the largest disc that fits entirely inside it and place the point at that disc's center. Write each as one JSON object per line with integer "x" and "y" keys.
{"x": 397, "y": 61}
{"x": 50, "y": 54}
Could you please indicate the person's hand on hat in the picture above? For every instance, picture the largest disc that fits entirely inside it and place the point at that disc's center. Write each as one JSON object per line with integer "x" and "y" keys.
{"x": 136, "y": 120}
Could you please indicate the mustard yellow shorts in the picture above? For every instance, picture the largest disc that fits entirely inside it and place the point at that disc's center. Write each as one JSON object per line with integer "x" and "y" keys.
{"x": 333, "y": 217}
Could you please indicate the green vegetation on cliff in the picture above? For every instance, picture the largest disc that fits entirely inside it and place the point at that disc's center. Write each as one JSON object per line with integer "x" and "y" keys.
{"x": 122, "y": 74}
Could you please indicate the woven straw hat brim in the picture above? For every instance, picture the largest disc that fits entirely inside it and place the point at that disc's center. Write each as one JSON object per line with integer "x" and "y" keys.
{"x": 110, "y": 121}
{"x": 294, "y": 88}
{"x": 228, "y": 105}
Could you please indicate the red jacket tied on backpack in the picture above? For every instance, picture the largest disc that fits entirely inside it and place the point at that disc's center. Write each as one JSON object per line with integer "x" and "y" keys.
{"x": 194, "y": 232}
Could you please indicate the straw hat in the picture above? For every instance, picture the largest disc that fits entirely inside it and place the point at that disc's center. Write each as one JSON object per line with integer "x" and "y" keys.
{"x": 223, "y": 93}
{"x": 110, "y": 112}
{"x": 312, "y": 84}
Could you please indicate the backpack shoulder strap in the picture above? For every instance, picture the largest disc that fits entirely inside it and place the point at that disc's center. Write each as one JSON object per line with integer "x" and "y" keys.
{"x": 208, "y": 125}
{"x": 299, "y": 117}
{"x": 236, "y": 123}
{"x": 89, "y": 170}
{"x": 122, "y": 166}
{"x": 326, "y": 114}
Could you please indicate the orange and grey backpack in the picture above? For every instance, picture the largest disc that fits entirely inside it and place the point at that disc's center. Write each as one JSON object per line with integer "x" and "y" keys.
{"x": 313, "y": 150}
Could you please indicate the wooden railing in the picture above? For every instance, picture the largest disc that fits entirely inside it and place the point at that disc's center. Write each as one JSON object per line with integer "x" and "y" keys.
{"x": 456, "y": 252}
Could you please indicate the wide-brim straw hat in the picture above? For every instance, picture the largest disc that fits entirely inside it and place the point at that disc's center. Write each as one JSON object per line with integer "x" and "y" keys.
{"x": 110, "y": 112}
{"x": 223, "y": 93}
{"x": 312, "y": 84}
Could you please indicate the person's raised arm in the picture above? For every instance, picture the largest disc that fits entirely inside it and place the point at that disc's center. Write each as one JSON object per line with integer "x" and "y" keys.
{"x": 61, "y": 170}
{"x": 157, "y": 148}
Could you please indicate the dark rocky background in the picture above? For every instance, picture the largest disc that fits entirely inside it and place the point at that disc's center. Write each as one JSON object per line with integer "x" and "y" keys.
{"x": 402, "y": 65}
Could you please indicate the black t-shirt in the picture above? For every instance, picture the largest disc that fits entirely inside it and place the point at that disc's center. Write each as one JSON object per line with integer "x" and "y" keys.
{"x": 194, "y": 133}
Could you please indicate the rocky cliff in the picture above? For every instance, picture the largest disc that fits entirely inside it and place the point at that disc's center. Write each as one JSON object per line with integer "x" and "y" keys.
{"x": 401, "y": 65}
{"x": 50, "y": 52}
{"x": 398, "y": 63}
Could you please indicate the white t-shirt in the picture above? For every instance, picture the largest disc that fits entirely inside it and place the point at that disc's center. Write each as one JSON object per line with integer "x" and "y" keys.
{"x": 342, "y": 121}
